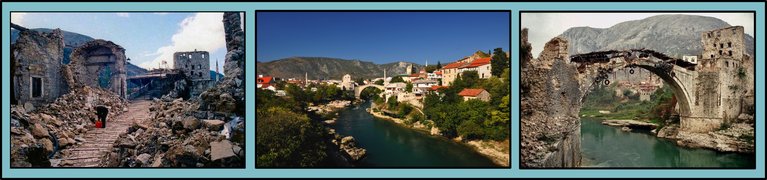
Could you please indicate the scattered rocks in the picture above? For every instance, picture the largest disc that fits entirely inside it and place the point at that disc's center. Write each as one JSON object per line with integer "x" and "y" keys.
{"x": 350, "y": 150}
{"x": 213, "y": 124}
{"x": 220, "y": 150}
{"x": 65, "y": 118}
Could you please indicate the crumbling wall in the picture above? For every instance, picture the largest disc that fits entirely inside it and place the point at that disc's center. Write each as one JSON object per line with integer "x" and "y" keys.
{"x": 550, "y": 102}
{"x": 36, "y": 59}
{"x": 196, "y": 66}
{"x": 229, "y": 95}
{"x": 98, "y": 63}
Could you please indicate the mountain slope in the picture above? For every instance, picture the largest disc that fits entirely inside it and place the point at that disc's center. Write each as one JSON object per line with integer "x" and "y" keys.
{"x": 329, "y": 68}
{"x": 674, "y": 35}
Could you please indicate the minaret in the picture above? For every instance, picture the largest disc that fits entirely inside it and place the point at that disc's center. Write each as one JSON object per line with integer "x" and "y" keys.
{"x": 216, "y": 70}
{"x": 306, "y": 78}
{"x": 384, "y": 79}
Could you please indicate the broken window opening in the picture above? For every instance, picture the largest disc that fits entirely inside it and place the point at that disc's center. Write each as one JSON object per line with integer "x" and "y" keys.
{"x": 730, "y": 53}
{"x": 37, "y": 87}
{"x": 729, "y": 44}
{"x": 720, "y": 52}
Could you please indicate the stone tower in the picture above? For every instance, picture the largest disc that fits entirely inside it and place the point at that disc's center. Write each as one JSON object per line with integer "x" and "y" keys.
{"x": 725, "y": 74}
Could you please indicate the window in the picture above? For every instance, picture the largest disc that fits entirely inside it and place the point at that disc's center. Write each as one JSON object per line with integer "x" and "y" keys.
{"x": 203, "y": 55}
{"x": 714, "y": 45}
{"x": 729, "y": 44}
{"x": 199, "y": 66}
{"x": 721, "y": 45}
{"x": 712, "y": 56}
{"x": 730, "y": 52}
{"x": 192, "y": 67}
{"x": 720, "y": 52}
{"x": 190, "y": 56}
{"x": 709, "y": 35}
{"x": 186, "y": 66}
{"x": 37, "y": 87}
{"x": 727, "y": 63}
{"x": 200, "y": 75}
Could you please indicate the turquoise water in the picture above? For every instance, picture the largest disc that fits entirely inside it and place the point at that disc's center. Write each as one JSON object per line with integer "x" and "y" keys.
{"x": 606, "y": 146}
{"x": 391, "y": 145}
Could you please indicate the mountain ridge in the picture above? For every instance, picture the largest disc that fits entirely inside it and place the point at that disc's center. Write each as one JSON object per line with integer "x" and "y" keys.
{"x": 675, "y": 35}
{"x": 329, "y": 68}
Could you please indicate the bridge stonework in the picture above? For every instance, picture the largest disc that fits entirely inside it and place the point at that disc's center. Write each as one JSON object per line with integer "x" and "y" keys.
{"x": 358, "y": 90}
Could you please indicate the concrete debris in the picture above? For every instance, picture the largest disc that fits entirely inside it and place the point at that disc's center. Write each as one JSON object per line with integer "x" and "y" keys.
{"x": 47, "y": 129}
{"x": 175, "y": 136}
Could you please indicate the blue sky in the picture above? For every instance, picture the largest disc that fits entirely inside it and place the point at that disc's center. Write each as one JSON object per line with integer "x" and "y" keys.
{"x": 380, "y": 37}
{"x": 148, "y": 38}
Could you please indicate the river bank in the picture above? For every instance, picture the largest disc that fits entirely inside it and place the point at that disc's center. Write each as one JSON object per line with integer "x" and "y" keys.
{"x": 605, "y": 146}
{"x": 735, "y": 137}
{"x": 343, "y": 150}
{"x": 497, "y": 151}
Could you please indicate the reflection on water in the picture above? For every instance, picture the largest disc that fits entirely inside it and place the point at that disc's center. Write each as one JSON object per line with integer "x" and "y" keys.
{"x": 391, "y": 145}
{"x": 605, "y": 146}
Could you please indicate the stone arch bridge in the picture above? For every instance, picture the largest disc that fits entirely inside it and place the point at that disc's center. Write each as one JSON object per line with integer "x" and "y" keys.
{"x": 358, "y": 89}
{"x": 680, "y": 75}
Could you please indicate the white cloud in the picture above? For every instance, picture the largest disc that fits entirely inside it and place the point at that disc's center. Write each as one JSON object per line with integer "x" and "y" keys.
{"x": 123, "y": 14}
{"x": 203, "y": 32}
{"x": 160, "y": 13}
{"x": 18, "y": 18}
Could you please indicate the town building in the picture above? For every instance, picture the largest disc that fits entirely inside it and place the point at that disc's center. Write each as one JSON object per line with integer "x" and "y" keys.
{"x": 469, "y": 94}
{"x": 196, "y": 66}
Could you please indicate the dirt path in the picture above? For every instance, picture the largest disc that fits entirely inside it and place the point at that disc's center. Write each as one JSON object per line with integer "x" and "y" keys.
{"x": 98, "y": 141}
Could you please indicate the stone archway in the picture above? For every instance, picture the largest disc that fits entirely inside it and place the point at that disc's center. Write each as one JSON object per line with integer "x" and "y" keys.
{"x": 98, "y": 63}
{"x": 359, "y": 89}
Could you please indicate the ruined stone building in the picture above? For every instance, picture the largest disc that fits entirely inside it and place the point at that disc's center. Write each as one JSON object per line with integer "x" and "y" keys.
{"x": 99, "y": 63}
{"x": 36, "y": 60}
{"x": 40, "y": 74}
{"x": 725, "y": 73}
{"x": 196, "y": 66}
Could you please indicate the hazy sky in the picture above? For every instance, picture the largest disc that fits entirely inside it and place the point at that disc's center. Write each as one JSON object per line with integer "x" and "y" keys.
{"x": 380, "y": 37}
{"x": 148, "y": 38}
{"x": 544, "y": 26}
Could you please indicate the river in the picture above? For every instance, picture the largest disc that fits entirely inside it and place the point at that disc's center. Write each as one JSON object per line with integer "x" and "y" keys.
{"x": 391, "y": 145}
{"x": 606, "y": 146}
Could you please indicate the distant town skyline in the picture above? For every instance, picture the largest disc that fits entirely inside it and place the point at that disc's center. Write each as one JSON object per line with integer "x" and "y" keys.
{"x": 380, "y": 37}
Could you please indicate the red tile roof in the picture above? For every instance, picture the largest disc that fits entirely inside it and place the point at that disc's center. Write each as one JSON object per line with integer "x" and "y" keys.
{"x": 438, "y": 73}
{"x": 453, "y": 65}
{"x": 470, "y": 92}
{"x": 435, "y": 87}
{"x": 415, "y": 75}
{"x": 479, "y": 62}
{"x": 264, "y": 80}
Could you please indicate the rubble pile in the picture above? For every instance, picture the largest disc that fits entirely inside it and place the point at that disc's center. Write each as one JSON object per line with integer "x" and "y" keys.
{"x": 39, "y": 133}
{"x": 178, "y": 135}
{"x": 347, "y": 146}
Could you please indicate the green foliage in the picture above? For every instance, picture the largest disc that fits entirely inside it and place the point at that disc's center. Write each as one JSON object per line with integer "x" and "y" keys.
{"x": 396, "y": 79}
{"x": 499, "y": 63}
{"x": 360, "y": 81}
{"x": 288, "y": 139}
{"x": 470, "y": 78}
{"x": 370, "y": 92}
{"x": 379, "y": 82}
{"x": 430, "y": 69}
{"x": 409, "y": 87}
{"x": 439, "y": 65}
{"x": 741, "y": 73}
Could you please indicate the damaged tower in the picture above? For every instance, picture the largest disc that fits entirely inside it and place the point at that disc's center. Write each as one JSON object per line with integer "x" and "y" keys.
{"x": 196, "y": 66}
{"x": 725, "y": 73}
